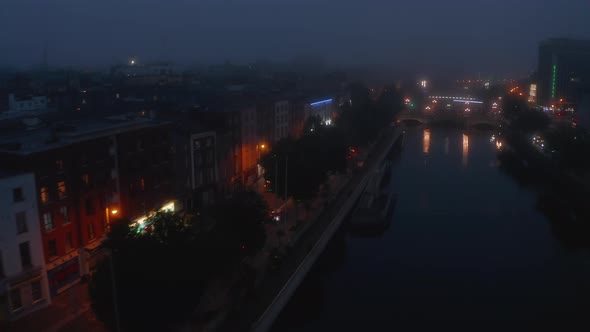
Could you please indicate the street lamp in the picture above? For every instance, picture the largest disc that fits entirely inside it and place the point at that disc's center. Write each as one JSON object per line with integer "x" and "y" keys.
{"x": 108, "y": 213}
{"x": 259, "y": 147}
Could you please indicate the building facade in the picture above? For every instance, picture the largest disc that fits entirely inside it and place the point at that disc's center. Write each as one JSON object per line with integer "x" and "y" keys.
{"x": 88, "y": 175}
{"x": 323, "y": 109}
{"x": 297, "y": 116}
{"x": 23, "y": 279}
{"x": 252, "y": 147}
{"x": 281, "y": 120}
{"x": 145, "y": 170}
{"x": 33, "y": 103}
{"x": 203, "y": 167}
{"x": 563, "y": 71}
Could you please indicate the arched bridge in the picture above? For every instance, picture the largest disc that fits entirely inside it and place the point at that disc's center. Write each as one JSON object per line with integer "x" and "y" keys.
{"x": 467, "y": 119}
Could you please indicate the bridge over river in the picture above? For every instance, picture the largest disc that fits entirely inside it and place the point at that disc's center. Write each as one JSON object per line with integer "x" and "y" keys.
{"x": 460, "y": 117}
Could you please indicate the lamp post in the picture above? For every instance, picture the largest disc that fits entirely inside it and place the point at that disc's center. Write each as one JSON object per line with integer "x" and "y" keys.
{"x": 108, "y": 213}
{"x": 259, "y": 148}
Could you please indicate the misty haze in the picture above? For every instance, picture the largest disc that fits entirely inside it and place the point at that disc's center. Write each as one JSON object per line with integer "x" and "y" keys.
{"x": 282, "y": 166}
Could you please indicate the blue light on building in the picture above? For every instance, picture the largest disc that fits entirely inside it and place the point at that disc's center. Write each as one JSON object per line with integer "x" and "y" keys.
{"x": 321, "y": 102}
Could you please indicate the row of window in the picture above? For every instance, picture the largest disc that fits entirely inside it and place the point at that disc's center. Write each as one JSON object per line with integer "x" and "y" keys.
{"x": 25, "y": 257}
{"x": 208, "y": 175}
{"x": 16, "y": 302}
{"x": 49, "y": 223}
{"x": 141, "y": 186}
{"x": 199, "y": 158}
{"x": 69, "y": 243}
{"x": 28, "y": 104}
{"x": 281, "y": 118}
{"x": 61, "y": 192}
{"x": 203, "y": 142}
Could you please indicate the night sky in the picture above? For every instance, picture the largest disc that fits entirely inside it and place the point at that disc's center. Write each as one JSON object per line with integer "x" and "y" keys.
{"x": 478, "y": 35}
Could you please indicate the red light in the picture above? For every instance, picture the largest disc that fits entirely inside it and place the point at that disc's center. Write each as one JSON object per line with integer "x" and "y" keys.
{"x": 353, "y": 150}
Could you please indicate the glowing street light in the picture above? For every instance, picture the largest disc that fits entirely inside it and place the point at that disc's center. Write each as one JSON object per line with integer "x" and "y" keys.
{"x": 114, "y": 211}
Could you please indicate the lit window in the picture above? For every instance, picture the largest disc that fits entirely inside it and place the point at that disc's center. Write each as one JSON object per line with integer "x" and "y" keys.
{"x": 44, "y": 195}
{"x": 61, "y": 189}
{"x": 142, "y": 184}
{"x": 90, "y": 230}
{"x": 85, "y": 179}
{"x": 48, "y": 221}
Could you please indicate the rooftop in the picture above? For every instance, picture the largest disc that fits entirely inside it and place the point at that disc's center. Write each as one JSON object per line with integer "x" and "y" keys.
{"x": 45, "y": 137}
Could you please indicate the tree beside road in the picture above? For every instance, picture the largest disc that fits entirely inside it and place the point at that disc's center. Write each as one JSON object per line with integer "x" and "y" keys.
{"x": 161, "y": 270}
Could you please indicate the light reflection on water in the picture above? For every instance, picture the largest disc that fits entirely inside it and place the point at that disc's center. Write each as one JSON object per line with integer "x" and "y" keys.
{"x": 466, "y": 250}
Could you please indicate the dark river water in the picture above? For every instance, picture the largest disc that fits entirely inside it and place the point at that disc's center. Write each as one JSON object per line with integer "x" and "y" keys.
{"x": 467, "y": 249}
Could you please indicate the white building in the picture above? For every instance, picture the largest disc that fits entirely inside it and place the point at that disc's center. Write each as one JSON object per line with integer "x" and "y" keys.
{"x": 34, "y": 103}
{"x": 23, "y": 281}
{"x": 281, "y": 118}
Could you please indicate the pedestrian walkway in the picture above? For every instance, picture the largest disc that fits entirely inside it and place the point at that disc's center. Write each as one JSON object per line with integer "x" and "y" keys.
{"x": 219, "y": 299}
{"x": 64, "y": 308}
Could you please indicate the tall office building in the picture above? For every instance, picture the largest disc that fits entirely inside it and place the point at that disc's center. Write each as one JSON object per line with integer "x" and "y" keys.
{"x": 564, "y": 71}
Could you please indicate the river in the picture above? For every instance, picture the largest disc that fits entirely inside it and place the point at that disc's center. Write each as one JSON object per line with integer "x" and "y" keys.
{"x": 467, "y": 249}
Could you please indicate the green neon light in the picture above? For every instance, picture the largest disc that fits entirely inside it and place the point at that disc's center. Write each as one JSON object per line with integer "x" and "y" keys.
{"x": 553, "y": 80}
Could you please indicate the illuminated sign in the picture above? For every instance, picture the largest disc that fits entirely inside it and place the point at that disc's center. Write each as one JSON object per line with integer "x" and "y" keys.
{"x": 466, "y": 101}
{"x": 166, "y": 208}
{"x": 321, "y": 102}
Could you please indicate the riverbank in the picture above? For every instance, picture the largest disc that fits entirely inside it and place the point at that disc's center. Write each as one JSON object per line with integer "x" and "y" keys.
{"x": 467, "y": 250}
{"x": 561, "y": 196}
{"x": 248, "y": 310}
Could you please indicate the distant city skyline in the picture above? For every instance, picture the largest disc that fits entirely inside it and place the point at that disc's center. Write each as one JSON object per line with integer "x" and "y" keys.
{"x": 421, "y": 36}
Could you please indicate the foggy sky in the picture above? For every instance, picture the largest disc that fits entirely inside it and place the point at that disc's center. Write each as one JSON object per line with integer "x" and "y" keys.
{"x": 479, "y": 35}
